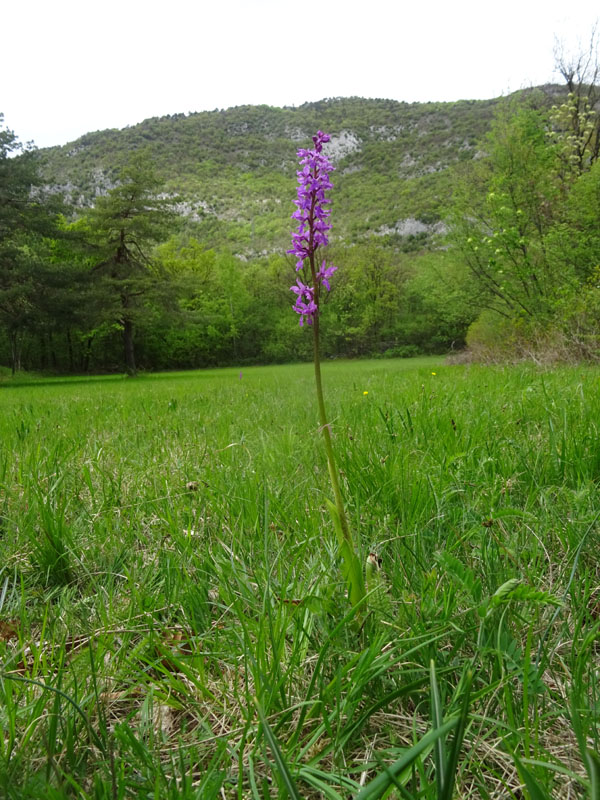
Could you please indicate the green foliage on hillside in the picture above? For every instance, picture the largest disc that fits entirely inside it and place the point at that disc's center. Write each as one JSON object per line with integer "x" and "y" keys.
{"x": 235, "y": 168}
{"x": 512, "y": 177}
{"x": 525, "y": 224}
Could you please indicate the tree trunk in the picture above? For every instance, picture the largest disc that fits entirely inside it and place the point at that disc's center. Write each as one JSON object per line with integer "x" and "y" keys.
{"x": 15, "y": 351}
{"x": 129, "y": 351}
{"x": 53, "y": 359}
{"x": 88, "y": 353}
{"x": 70, "y": 351}
{"x": 43, "y": 352}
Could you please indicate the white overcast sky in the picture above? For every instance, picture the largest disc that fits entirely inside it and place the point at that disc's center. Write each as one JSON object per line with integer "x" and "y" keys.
{"x": 73, "y": 66}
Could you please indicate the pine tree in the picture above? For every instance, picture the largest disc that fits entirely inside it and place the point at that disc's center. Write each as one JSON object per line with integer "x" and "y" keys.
{"x": 125, "y": 225}
{"x": 27, "y": 218}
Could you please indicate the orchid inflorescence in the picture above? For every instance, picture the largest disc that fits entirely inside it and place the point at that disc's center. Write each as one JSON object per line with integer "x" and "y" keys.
{"x": 313, "y": 182}
{"x": 313, "y": 227}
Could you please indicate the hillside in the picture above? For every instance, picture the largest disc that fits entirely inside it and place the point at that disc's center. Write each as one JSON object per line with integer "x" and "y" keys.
{"x": 211, "y": 286}
{"x": 234, "y": 169}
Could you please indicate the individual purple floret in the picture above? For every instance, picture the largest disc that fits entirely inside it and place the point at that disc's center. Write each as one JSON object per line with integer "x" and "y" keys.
{"x": 313, "y": 182}
{"x": 324, "y": 274}
{"x": 305, "y": 303}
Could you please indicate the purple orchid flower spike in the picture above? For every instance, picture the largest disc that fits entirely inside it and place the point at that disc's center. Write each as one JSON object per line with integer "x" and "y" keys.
{"x": 311, "y": 215}
{"x": 311, "y": 234}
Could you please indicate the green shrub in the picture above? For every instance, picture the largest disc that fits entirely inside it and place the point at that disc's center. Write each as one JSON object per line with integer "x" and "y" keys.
{"x": 403, "y": 351}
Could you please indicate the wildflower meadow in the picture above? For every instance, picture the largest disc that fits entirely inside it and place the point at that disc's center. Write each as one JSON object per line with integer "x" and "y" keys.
{"x": 345, "y": 579}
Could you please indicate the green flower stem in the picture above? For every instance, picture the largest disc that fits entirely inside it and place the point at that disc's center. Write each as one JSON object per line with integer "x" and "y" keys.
{"x": 353, "y": 567}
{"x": 326, "y": 431}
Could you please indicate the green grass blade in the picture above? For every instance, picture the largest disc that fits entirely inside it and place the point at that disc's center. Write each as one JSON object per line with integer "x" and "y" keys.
{"x": 351, "y": 566}
{"x": 593, "y": 765}
{"x": 535, "y": 791}
{"x": 280, "y": 762}
{"x": 385, "y": 779}
{"x": 437, "y": 717}
{"x": 452, "y": 763}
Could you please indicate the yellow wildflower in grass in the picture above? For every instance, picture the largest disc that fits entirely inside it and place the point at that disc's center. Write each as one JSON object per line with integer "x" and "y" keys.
{"x": 434, "y": 373}
{"x": 365, "y": 393}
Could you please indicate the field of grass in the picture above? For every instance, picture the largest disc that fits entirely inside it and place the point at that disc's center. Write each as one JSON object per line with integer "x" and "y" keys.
{"x": 173, "y": 623}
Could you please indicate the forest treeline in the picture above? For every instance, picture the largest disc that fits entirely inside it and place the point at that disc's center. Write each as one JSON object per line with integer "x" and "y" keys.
{"x": 126, "y": 286}
{"x": 130, "y": 283}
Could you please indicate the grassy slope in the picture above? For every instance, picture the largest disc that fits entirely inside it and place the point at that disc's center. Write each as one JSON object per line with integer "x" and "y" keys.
{"x": 142, "y": 619}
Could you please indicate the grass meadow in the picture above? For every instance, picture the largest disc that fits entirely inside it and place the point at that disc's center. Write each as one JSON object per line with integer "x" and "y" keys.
{"x": 173, "y": 621}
